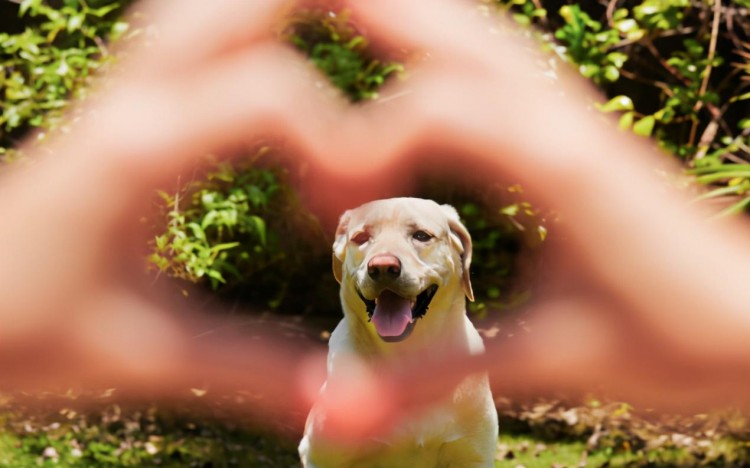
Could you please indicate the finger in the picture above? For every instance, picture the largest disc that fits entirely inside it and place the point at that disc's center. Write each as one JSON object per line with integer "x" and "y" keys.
{"x": 447, "y": 27}
{"x": 187, "y": 33}
{"x": 144, "y": 351}
{"x": 358, "y": 406}
{"x": 267, "y": 92}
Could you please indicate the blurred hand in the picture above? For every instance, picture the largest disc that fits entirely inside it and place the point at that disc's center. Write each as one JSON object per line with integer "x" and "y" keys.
{"x": 75, "y": 309}
{"x": 644, "y": 299}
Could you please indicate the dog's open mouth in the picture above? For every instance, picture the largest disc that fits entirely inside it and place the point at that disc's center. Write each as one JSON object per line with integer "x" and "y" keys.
{"x": 394, "y": 316}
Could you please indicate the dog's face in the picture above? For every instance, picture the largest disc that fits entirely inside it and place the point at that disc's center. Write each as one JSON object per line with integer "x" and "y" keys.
{"x": 395, "y": 256}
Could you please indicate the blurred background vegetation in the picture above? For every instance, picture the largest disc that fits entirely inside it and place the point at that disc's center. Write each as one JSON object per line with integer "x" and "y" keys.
{"x": 676, "y": 71}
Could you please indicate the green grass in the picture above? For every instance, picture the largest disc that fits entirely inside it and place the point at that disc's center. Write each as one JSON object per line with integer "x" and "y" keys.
{"x": 530, "y": 452}
{"x": 525, "y": 450}
{"x": 58, "y": 431}
{"x": 186, "y": 441}
{"x": 146, "y": 436}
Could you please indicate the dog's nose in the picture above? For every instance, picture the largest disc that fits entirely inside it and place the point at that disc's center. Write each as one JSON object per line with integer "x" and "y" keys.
{"x": 384, "y": 266}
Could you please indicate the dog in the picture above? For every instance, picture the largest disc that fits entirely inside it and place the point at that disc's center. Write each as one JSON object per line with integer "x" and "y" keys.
{"x": 403, "y": 266}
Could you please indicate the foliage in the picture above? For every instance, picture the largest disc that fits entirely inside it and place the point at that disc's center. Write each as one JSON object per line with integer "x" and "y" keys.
{"x": 51, "y": 61}
{"x": 335, "y": 47}
{"x": 589, "y": 46}
{"x": 673, "y": 69}
{"x": 226, "y": 204}
{"x": 507, "y": 236}
{"x": 232, "y": 228}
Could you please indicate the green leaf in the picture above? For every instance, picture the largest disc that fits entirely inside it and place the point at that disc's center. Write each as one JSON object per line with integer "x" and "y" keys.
{"x": 105, "y": 10}
{"x": 522, "y": 19}
{"x": 260, "y": 228}
{"x": 26, "y": 5}
{"x": 75, "y": 22}
{"x": 741, "y": 97}
{"x": 197, "y": 231}
{"x": 617, "y": 103}
{"x": 216, "y": 275}
{"x": 611, "y": 73}
{"x": 644, "y": 126}
{"x": 626, "y": 121}
{"x": 226, "y": 246}
{"x": 620, "y": 14}
{"x": 719, "y": 192}
{"x": 118, "y": 29}
{"x": 617, "y": 59}
{"x": 737, "y": 208}
{"x": 510, "y": 210}
{"x": 589, "y": 70}
{"x": 626, "y": 26}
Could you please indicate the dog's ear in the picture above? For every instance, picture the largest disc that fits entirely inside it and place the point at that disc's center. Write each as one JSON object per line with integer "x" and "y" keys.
{"x": 339, "y": 245}
{"x": 461, "y": 240}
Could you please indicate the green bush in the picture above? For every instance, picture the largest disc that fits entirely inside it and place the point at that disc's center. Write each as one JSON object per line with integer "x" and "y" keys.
{"x": 217, "y": 226}
{"x": 335, "y": 47}
{"x": 240, "y": 229}
{"x": 675, "y": 70}
{"x": 51, "y": 61}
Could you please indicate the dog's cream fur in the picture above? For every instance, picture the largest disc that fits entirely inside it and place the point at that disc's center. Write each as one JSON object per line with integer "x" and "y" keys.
{"x": 460, "y": 432}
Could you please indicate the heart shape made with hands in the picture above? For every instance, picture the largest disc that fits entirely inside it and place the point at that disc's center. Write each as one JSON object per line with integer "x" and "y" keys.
{"x": 243, "y": 84}
{"x": 217, "y": 76}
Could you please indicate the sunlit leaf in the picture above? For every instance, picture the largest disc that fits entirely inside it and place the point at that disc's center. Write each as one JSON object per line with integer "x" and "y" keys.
{"x": 644, "y": 126}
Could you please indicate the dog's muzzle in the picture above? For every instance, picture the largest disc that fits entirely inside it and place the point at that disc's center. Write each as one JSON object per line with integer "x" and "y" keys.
{"x": 394, "y": 316}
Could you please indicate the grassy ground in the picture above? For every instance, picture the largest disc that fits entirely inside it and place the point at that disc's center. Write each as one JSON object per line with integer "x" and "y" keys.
{"x": 58, "y": 434}
{"x": 111, "y": 435}
{"x": 529, "y": 452}
{"x": 211, "y": 447}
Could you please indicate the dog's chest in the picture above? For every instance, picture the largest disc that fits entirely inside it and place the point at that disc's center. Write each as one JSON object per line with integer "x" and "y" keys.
{"x": 415, "y": 444}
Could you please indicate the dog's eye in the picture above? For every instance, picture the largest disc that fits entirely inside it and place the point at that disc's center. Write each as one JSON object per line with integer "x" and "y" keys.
{"x": 361, "y": 237}
{"x": 421, "y": 236}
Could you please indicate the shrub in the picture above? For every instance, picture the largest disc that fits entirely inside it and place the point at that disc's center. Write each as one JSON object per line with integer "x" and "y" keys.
{"x": 675, "y": 70}
{"x": 51, "y": 61}
{"x": 240, "y": 229}
{"x": 334, "y": 46}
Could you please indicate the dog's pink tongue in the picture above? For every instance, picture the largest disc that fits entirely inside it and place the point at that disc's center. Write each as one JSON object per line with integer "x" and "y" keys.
{"x": 392, "y": 314}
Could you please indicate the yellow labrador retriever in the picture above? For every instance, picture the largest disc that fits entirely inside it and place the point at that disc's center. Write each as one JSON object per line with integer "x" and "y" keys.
{"x": 403, "y": 265}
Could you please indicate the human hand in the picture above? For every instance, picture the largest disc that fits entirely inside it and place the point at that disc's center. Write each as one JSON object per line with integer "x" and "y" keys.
{"x": 75, "y": 308}
{"x": 630, "y": 305}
